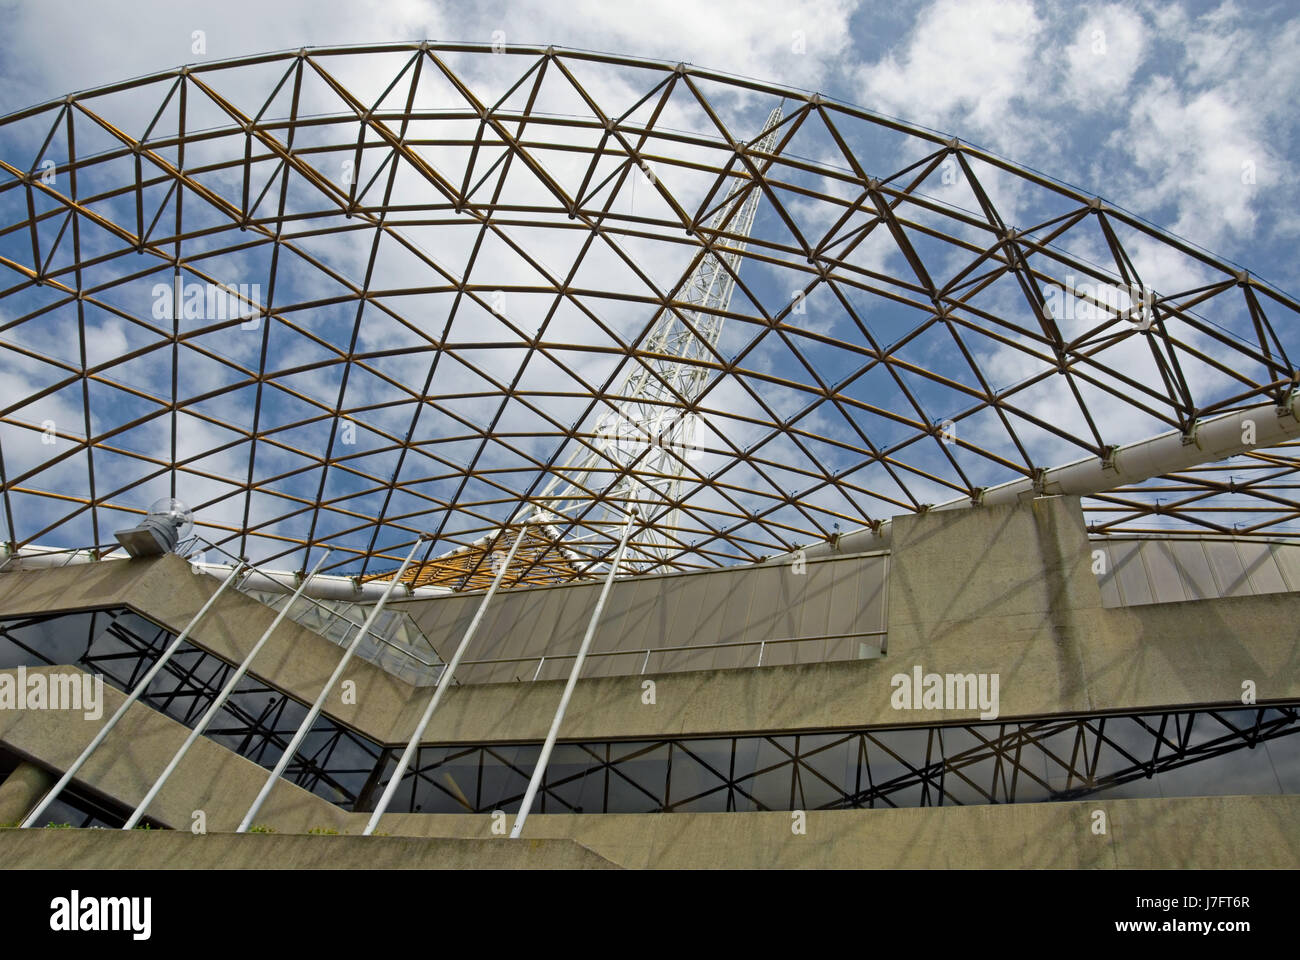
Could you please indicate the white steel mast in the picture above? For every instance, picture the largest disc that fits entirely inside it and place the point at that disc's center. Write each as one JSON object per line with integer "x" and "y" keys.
{"x": 647, "y": 433}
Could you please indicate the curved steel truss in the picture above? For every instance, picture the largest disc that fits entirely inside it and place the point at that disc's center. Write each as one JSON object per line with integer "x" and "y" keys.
{"x": 341, "y": 297}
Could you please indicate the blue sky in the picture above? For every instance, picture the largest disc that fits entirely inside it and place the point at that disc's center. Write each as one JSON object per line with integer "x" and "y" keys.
{"x": 1180, "y": 113}
{"x": 1178, "y": 98}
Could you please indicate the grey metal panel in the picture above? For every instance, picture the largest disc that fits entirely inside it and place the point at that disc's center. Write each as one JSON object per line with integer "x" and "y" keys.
{"x": 1288, "y": 561}
{"x": 767, "y": 608}
{"x": 1162, "y": 571}
{"x": 815, "y": 605}
{"x": 645, "y": 598}
{"x": 694, "y": 602}
{"x": 872, "y": 592}
{"x": 1130, "y": 573}
{"x": 611, "y": 632}
{"x": 844, "y": 615}
{"x": 711, "y": 622}
{"x": 735, "y": 618}
{"x": 659, "y": 616}
{"x": 1260, "y": 566}
{"x": 1194, "y": 567}
{"x": 1229, "y": 574}
{"x": 1106, "y": 579}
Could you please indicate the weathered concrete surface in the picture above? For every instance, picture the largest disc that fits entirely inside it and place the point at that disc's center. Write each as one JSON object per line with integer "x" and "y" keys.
{"x": 1188, "y": 833}
{"x": 210, "y": 778}
{"x": 22, "y": 790}
{"x": 1185, "y": 833}
{"x": 1003, "y": 590}
{"x": 169, "y": 850}
{"x": 166, "y": 591}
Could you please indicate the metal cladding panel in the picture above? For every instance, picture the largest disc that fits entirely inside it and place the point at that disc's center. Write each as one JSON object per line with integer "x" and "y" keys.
{"x": 694, "y": 605}
{"x": 1162, "y": 568}
{"x": 1288, "y": 561}
{"x": 742, "y": 606}
{"x": 767, "y": 613}
{"x": 1194, "y": 566}
{"x": 738, "y": 602}
{"x": 661, "y": 609}
{"x": 845, "y": 612}
{"x": 873, "y": 592}
{"x": 1229, "y": 573}
{"x": 622, "y": 624}
{"x": 1130, "y": 572}
{"x": 689, "y": 601}
{"x": 1260, "y": 566}
{"x": 1110, "y": 596}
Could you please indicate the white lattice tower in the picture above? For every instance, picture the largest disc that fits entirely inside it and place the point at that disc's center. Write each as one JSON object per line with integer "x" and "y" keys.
{"x": 647, "y": 432}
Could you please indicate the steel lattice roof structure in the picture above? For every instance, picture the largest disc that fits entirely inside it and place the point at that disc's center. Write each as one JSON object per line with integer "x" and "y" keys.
{"x": 344, "y": 297}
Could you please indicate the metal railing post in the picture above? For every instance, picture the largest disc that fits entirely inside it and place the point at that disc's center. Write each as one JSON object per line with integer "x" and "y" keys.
{"x": 314, "y": 712}
{"x": 219, "y": 702}
{"x": 444, "y": 681}
{"x": 538, "y": 672}
{"x": 540, "y": 771}
{"x": 135, "y": 695}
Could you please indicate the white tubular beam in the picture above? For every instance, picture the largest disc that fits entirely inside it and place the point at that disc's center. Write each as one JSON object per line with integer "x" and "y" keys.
{"x": 1214, "y": 439}
{"x": 140, "y": 688}
{"x": 316, "y": 707}
{"x": 218, "y": 703}
{"x": 440, "y": 687}
{"x": 326, "y": 586}
{"x": 540, "y": 772}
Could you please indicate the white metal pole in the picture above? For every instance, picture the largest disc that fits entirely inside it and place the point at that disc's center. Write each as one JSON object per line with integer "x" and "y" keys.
{"x": 135, "y": 695}
{"x": 540, "y": 771}
{"x": 316, "y": 707}
{"x": 444, "y": 681}
{"x": 219, "y": 702}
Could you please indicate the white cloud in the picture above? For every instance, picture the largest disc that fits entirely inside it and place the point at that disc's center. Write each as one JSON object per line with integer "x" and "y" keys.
{"x": 1107, "y": 50}
{"x": 972, "y": 59}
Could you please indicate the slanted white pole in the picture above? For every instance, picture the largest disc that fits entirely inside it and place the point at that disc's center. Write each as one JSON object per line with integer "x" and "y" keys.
{"x": 220, "y": 702}
{"x": 444, "y": 681}
{"x": 549, "y": 745}
{"x": 140, "y": 688}
{"x": 316, "y": 707}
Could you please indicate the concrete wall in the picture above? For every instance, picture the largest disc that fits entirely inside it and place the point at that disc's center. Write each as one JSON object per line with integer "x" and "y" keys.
{"x": 118, "y": 849}
{"x": 831, "y": 608}
{"x": 1006, "y": 590}
{"x": 1194, "y": 833}
{"x": 210, "y": 778}
{"x": 1188, "y": 833}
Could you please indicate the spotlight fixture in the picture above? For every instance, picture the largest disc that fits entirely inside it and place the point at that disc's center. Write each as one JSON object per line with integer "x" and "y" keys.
{"x": 169, "y": 521}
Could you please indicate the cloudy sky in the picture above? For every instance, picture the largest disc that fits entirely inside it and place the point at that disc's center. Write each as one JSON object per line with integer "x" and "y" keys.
{"x": 1163, "y": 108}
{"x": 1179, "y": 113}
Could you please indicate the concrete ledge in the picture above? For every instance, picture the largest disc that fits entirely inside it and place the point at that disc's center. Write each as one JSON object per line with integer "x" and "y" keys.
{"x": 211, "y": 778}
{"x": 169, "y": 850}
{"x": 1186, "y": 833}
{"x": 1003, "y": 590}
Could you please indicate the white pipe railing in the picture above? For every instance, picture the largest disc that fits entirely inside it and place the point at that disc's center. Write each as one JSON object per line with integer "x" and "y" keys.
{"x": 314, "y": 712}
{"x": 126, "y": 704}
{"x": 216, "y": 704}
{"x": 440, "y": 688}
{"x": 1210, "y": 440}
{"x": 540, "y": 771}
